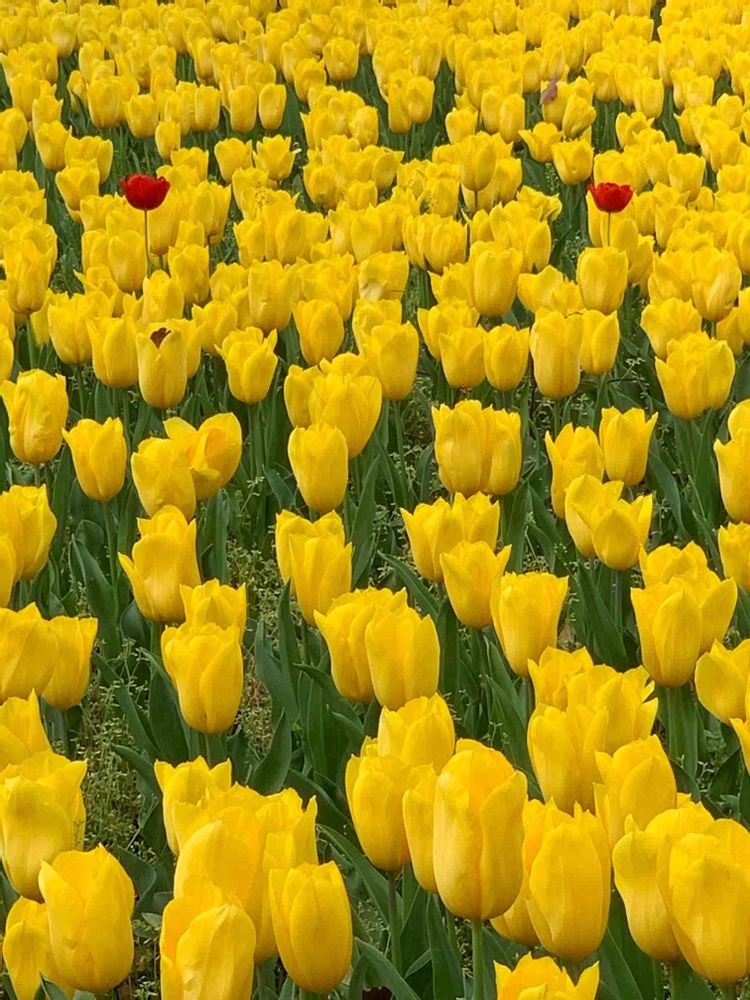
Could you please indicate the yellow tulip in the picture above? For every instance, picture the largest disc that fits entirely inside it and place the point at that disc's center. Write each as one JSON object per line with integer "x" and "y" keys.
{"x": 74, "y": 639}
{"x": 27, "y": 949}
{"x": 573, "y": 160}
{"x": 250, "y": 360}
{"x": 621, "y": 530}
{"x": 567, "y": 774}
{"x": 204, "y": 662}
{"x": 37, "y": 406}
{"x": 29, "y": 263}
{"x": 669, "y": 618}
{"x": 419, "y": 824}
{"x": 162, "y": 477}
{"x": 716, "y": 282}
{"x": 600, "y": 340}
{"x": 92, "y": 953}
{"x": 574, "y": 452}
{"x": 555, "y": 345}
{"x": 198, "y": 931}
{"x": 721, "y": 680}
{"x": 478, "y": 449}
{"x": 99, "y": 456}
{"x": 732, "y": 459}
{"x": 493, "y": 277}
{"x": 31, "y": 525}
{"x": 671, "y": 319}
{"x": 320, "y": 570}
{"x": 637, "y": 782}
{"x": 526, "y": 609}
{"x": 214, "y": 603}
{"x": 27, "y": 647}
{"x": 403, "y": 654}
{"x": 319, "y": 460}
{"x": 479, "y": 798}
{"x": 515, "y": 924}
{"x": 349, "y": 401}
{"x": 469, "y": 572}
{"x": 163, "y": 560}
{"x": 602, "y": 276}
{"x": 22, "y": 733}
{"x": 185, "y": 789}
{"x": 289, "y": 524}
{"x": 420, "y": 732}
{"x": 532, "y": 975}
{"x": 162, "y": 366}
{"x": 113, "y": 351}
{"x": 506, "y": 356}
{"x": 41, "y": 814}
{"x": 697, "y": 374}
{"x": 624, "y": 439}
{"x": 568, "y": 863}
{"x": 391, "y": 350}
{"x": 375, "y": 789}
{"x": 343, "y": 628}
{"x": 312, "y": 924}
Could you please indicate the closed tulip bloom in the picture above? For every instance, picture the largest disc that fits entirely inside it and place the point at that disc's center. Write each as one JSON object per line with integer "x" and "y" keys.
{"x": 477, "y": 449}
{"x": 351, "y": 402}
{"x": 586, "y": 500}
{"x": 22, "y": 732}
{"x": 289, "y": 524}
{"x": 161, "y": 475}
{"x": 41, "y": 814}
{"x": 37, "y": 407}
{"x": 506, "y": 356}
{"x": 269, "y": 292}
{"x": 419, "y": 823}
{"x": 204, "y": 662}
{"x": 216, "y": 604}
{"x": 319, "y": 460}
{"x": 312, "y": 923}
{"x": 99, "y": 456}
{"x": 600, "y": 340}
{"x": 566, "y": 774}
{"x": 31, "y": 527}
{"x": 433, "y": 529}
{"x": 375, "y": 789}
{"x": 213, "y": 450}
{"x": 8, "y": 569}
{"x": 27, "y": 950}
{"x": 637, "y": 782}
{"x": 733, "y": 460}
{"x": 637, "y": 859}
{"x": 462, "y": 356}
{"x": 344, "y": 627}
{"x": 420, "y": 732}
{"x": 198, "y": 932}
{"x": 706, "y": 888}
{"x": 321, "y": 570}
{"x": 621, "y": 531}
{"x": 526, "y": 610}
{"x": 27, "y": 648}
{"x": 469, "y": 572}
{"x": 734, "y": 548}
{"x": 669, "y": 619}
{"x": 569, "y": 882}
{"x": 602, "y": 275}
{"x": 716, "y": 282}
{"x": 671, "y": 319}
{"x": 574, "y": 452}
{"x": 721, "y": 680}
{"x": 515, "y": 924}
{"x": 493, "y": 277}
{"x": 74, "y": 640}
{"x": 624, "y": 695}
{"x": 162, "y": 561}
{"x": 624, "y": 439}
{"x": 697, "y": 375}
{"x": 250, "y": 359}
{"x": 113, "y": 351}
{"x": 479, "y": 799}
{"x": 555, "y": 344}
{"x": 162, "y": 367}
{"x": 533, "y": 975}
{"x": 403, "y": 652}
{"x": 185, "y": 789}
{"x": 93, "y": 952}
{"x": 28, "y": 264}
{"x": 573, "y": 160}
{"x": 392, "y": 353}
{"x": 320, "y": 328}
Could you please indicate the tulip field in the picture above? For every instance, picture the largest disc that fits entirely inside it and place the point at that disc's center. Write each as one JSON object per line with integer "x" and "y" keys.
{"x": 375, "y": 499}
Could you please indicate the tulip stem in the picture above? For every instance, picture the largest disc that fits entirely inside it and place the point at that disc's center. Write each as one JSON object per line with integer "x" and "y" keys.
{"x": 111, "y": 529}
{"x": 729, "y": 992}
{"x": 477, "y": 947}
{"x": 394, "y": 919}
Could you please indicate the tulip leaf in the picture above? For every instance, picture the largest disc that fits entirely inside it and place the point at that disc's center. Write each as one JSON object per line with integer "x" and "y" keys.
{"x": 137, "y": 719}
{"x": 515, "y": 508}
{"x": 142, "y": 873}
{"x": 646, "y": 971}
{"x": 447, "y": 981}
{"x": 141, "y": 764}
{"x": 386, "y": 972}
{"x": 601, "y": 634}
{"x": 166, "y": 720}
{"x": 363, "y": 536}
{"x": 48, "y": 991}
{"x": 281, "y": 489}
{"x": 99, "y": 591}
{"x": 374, "y": 882}
{"x": 666, "y": 487}
{"x": 269, "y": 775}
{"x": 689, "y": 986}
{"x": 274, "y": 676}
{"x": 616, "y": 977}
{"x": 405, "y": 575}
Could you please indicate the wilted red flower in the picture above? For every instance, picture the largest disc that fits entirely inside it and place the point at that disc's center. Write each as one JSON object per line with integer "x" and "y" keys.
{"x": 144, "y": 192}
{"x": 611, "y": 197}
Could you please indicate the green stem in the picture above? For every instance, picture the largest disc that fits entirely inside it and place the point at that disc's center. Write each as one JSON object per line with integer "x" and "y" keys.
{"x": 114, "y": 567}
{"x": 450, "y": 922}
{"x": 156, "y": 638}
{"x": 674, "y": 972}
{"x": 477, "y": 947}
{"x": 62, "y": 721}
{"x": 394, "y": 920}
{"x": 729, "y": 992}
{"x": 399, "y": 421}
{"x": 215, "y": 748}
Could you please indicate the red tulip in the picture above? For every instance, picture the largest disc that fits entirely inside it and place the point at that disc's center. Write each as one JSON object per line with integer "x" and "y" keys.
{"x": 144, "y": 192}
{"x": 611, "y": 197}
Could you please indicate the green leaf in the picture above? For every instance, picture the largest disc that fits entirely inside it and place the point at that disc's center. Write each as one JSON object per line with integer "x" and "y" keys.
{"x": 427, "y": 603}
{"x": 604, "y": 636}
{"x": 48, "y": 991}
{"x": 375, "y": 883}
{"x": 514, "y": 511}
{"x": 141, "y": 764}
{"x": 274, "y": 676}
{"x": 386, "y": 973}
{"x": 364, "y": 539}
{"x": 98, "y": 590}
{"x": 144, "y": 875}
{"x": 615, "y": 971}
{"x": 447, "y": 980}
{"x": 270, "y": 774}
{"x": 166, "y": 720}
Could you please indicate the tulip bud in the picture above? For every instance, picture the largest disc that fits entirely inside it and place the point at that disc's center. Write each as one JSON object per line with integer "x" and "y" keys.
{"x": 477, "y": 792}
{"x": 620, "y": 531}
{"x": 99, "y": 456}
{"x": 162, "y": 367}
{"x": 419, "y": 823}
{"x": 162, "y": 477}
{"x": 91, "y": 953}
{"x": 392, "y": 353}
{"x": 251, "y": 361}
{"x": 204, "y": 662}
{"x": 321, "y": 570}
{"x": 624, "y": 439}
{"x": 506, "y": 356}
{"x": 493, "y": 277}
{"x": 697, "y": 374}
{"x": 319, "y": 460}
{"x": 27, "y": 949}
{"x": 542, "y": 974}
{"x": 469, "y": 571}
{"x": 37, "y": 406}
{"x": 669, "y": 627}
{"x": 555, "y": 344}
{"x": 162, "y": 561}
{"x": 185, "y": 790}
{"x": 403, "y": 653}
{"x": 526, "y": 609}
{"x": 637, "y": 782}
{"x": 312, "y": 924}
{"x": 575, "y": 452}
{"x": 289, "y": 524}
{"x": 198, "y": 932}
{"x": 212, "y": 450}
{"x": 351, "y": 402}
{"x": 477, "y": 449}
{"x": 375, "y": 789}
{"x": 74, "y": 639}
{"x": 420, "y": 732}
{"x": 602, "y": 275}
{"x": 214, "y": 603}
{"x": 41, "y": 814}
